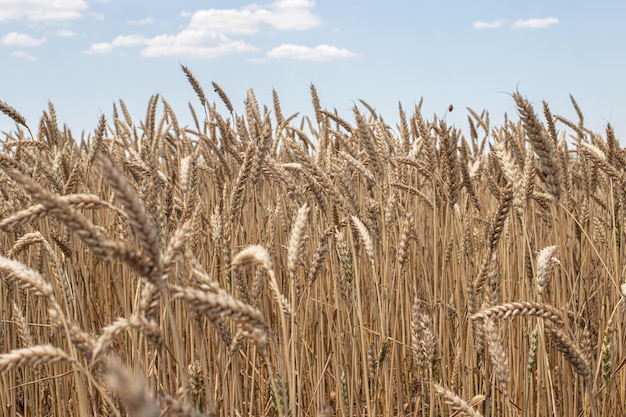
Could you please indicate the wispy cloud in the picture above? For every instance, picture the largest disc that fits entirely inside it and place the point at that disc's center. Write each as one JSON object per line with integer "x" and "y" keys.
{"x": 41, "y": 10}
{"x": 21, "y": 39}
{"x": 23, "y": 55}
{"x": 170, "y": 46}
{"x": 535, "y": 23}
{"x": 496, "y": 24}
{"x": 167, "y": 46}
{"x": 518, "y": 24}
{"x": 212, "y": 33}
{"x": 145, "y": 21}
{"x": 107, "y": 47}
{"x": 305, "y": 53}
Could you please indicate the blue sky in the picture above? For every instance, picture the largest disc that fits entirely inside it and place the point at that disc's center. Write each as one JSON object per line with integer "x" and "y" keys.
{"x": 85, "y": 55}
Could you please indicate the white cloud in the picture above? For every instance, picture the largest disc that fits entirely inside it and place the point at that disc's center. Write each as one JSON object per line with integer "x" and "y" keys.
{"x": 281, "y": 15}
{"x": 39, "y": 10}
{"x": 23, "y": 55}
{"x": 130, "y": 40}
{"x": 107, "y": 47}
{"x": 535, "y": 23}
{"x": 145, "y": 21}
{"x": 21, "y": 39}
{"x": 496, "y": 24}
{"x": 190, "y": 44}
{"x": 212, "y": 33}
{"x": 306, "y": 53}
{"x": 289, "y": 15}
{"x": 99, "y": 48}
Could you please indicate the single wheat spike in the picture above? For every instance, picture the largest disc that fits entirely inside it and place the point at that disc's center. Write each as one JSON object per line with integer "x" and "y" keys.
{"x": 423, "y": 340}
{"x": 455, "y": 402}
{"x": 297, "y": 240}
{"x": 24, "y": 242}
{"x": 320, "y": 256}
{"x": 221, "y": 304}
{"x": 37, "y": 211}
{"x": 545, "y": 258}
{"x": 365, "y": 237}
{"x": 23, "y": 329}
{"x": 25, "y": 277}
{"x": 569, "y": 348}
{"x": 195, "y": 84}
{"x": 408, "y": 233}
{"x": 15, "y": 115}
{"x": 237, "y": 193}
{"x": 32, "y": 356}
{"x": 497, "y": 355}
{"x": 522, "y": 308}
{"x": 544, "y": 147}
{"x": 278, "y": 113}
{"x": 223, "y": 97}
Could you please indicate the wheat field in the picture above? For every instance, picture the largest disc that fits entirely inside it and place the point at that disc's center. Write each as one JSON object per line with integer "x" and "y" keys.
{"x": 263, "y": 264}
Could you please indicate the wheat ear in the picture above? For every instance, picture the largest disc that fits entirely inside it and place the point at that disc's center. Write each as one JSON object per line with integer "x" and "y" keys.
{"x": 15, "y": 115}
{"x": 455, "y": 402}
{"x": 195, "y": 84}
{"x": 543, "y": 146}
{"x": 522, "y": 308}
{"x": 32, "y": 356}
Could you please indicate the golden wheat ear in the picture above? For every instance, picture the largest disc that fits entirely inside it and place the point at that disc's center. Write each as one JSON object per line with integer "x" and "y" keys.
{"x": 195, "y": 84}
{"x": 15, "y": 115}
{"x": 542, "y": 144}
